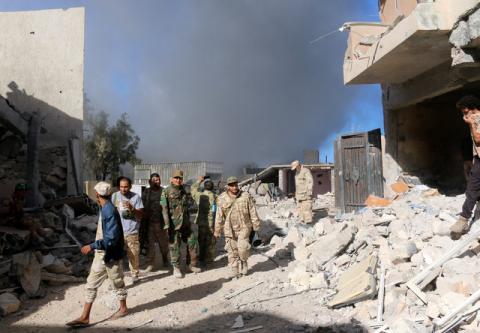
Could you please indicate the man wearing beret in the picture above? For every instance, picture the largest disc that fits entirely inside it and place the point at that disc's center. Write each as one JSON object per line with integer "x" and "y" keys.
{"x": 236, "y": 216}
{"x": 175, "y": 213}
{"x": 107, "y": 262}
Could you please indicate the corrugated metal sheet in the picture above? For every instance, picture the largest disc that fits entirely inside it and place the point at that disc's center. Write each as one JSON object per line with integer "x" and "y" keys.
{"x": 191, "y": 171}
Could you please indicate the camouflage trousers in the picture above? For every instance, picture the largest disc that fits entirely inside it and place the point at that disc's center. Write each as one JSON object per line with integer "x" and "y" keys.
{"x": 238, "y": 249}
{"x": 132, "y": 246}
{"x": 305, "y": 210}
{"x": 206, "y": 243}
{"x": 156, "y": 234}
{"x": 188, "y": 236}
{"x": 99, "y": 272}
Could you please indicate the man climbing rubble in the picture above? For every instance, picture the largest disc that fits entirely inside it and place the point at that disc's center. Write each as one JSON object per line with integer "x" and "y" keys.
{"x": 470, "y": 108}
{"x": 236, "y": 216}
{"x": 174, "y": 203}
{"x": 303, "y": 191}
{"x": 107, "y": 262}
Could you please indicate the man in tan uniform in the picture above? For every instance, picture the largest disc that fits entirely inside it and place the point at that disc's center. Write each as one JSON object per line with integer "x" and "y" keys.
{"x": 236, "y": 216}
{"x": 303, "y": 191}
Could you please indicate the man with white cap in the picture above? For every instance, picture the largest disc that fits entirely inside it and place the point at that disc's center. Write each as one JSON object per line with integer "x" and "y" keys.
{"x": 107, "y": 262}
{"x": 303, "y": 191}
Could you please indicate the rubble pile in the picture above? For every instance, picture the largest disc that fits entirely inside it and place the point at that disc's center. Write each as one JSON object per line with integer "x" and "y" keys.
{"x": 41, "y": 248}
{"x": 356, "y": 257}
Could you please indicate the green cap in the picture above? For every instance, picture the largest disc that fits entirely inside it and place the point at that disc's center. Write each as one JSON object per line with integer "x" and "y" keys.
{"x": 178, "y": 173}
{"x": 231, "y": 180}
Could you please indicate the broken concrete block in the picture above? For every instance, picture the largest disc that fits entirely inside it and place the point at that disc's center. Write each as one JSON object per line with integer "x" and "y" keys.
{"x": 330, "y": 245}
{"x": 461, "y": 284}
{"x": 28, "y": 269}
{"x": 9, "y": 303}
{"x": 403, "y": 251}
{"x": 356, "y": 284}
{"x": 300, "y": 278}
{"x": 441, "y": 228}
{"x": 450, "y": 301}
{"x": 405, "y": 325}
{"x": 294, "y": 236}
{"x": 395, "y": 303}
{"x": 398, "y": 229}
{"x": 13, "y": 240}
{"x": 301, "y": 252}
{"x": 276, "y": 240}
{"x": 318, "y": 281}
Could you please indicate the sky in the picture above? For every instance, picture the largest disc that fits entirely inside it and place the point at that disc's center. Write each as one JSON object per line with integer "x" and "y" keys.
{"x": 234, "y": 81}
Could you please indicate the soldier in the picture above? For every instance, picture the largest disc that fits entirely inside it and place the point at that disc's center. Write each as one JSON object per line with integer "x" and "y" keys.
{"x": 303, "y": 191}
{"x": 205, "y": 218}
{"x": 155, "y": 224}
{"x": 236, "y": 216}
{"x": 130, "y": 207}
{"x": 175, "y": 213}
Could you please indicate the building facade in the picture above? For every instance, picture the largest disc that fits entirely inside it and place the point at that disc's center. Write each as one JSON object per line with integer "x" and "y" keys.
{"x": 425, "y": 56}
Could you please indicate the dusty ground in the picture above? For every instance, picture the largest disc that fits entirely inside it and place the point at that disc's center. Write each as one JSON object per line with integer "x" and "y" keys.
{"x": 161, "y": 303}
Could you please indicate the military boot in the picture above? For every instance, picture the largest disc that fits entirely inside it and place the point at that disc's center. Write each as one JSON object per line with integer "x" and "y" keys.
{"x": 149, "y": 268}
{"x": 459, "y": 228}
{"x": 243, "y": 268}
{"x": 177, "y": 272}
{"x": 234, "y": 272}
{"x": 193, "y": 267}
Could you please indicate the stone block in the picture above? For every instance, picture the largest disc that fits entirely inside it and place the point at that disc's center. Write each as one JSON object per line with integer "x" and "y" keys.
{"x": 356, "y": 284}
{"x": 9, "y": 303}
{"x": 330, "y": 245}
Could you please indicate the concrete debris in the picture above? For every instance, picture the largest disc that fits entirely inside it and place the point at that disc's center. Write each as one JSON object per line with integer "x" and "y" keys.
{"x": 357, "y": 283}
{"x": 9, "y": 303}
{"x": 338, "y": 255}
{"x": 35, "y": 250}
{"x": 238, "y": 323}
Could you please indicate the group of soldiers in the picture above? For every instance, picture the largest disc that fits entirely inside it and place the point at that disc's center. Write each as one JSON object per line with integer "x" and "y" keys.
{"x": 165, "y": 214}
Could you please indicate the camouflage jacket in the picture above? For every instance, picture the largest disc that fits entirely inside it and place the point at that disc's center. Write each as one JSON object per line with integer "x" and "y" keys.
{"x": 303, "y": 184}
{"x": 174, "y": 204}
{"x": 236, "y": 216}
{"x": 206, "y": 203}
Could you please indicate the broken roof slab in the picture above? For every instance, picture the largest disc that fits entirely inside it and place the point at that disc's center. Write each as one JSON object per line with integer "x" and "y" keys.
{"x": 418, "y": 42}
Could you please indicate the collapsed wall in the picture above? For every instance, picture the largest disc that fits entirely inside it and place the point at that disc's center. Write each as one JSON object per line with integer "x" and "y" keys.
{"x": 42, "y": 75}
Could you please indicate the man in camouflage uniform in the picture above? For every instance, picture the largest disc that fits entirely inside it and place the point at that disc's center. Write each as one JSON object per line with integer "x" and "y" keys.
{"x": 303, "y": 191}
{"x": 205, "y": 201}
{"x": 175, "y": 213}
{"x": 236, "y": 216}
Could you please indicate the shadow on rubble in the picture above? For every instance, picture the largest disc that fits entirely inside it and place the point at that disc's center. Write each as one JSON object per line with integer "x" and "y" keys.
{"x": 217, "y": 323}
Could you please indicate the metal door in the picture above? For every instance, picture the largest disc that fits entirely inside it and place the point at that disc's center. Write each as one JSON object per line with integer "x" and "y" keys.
{"x": 358, "y": 169}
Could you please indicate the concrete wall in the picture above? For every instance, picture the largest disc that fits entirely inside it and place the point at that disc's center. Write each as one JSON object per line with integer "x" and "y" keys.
{"x": 426, "y": 140}
{"x": 41, "y": 68}
{"x": 390, "y": 10}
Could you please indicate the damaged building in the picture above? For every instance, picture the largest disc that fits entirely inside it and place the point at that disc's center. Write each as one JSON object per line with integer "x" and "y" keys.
{"x": 41, "y": 102}
{"x": 425, "y": 56}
